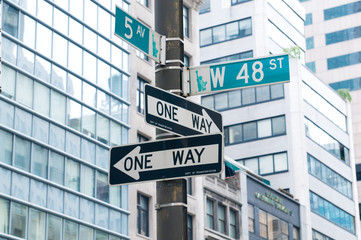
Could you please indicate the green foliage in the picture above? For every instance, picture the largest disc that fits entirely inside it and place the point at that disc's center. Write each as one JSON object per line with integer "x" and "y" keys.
{"x": 294, "y": 51}
{"x": 345, "y": 94}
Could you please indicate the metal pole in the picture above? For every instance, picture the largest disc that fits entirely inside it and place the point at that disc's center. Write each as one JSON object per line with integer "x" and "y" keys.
{"x": 171, "y": 194}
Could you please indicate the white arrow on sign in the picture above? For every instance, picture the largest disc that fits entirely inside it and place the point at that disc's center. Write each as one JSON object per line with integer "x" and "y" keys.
{"x": 170, "y": 112}
{"x": 135, "y": 162}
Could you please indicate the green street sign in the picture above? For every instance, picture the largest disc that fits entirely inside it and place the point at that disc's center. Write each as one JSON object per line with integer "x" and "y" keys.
{"x": 238, "y": 74}
{"x": 139, "y": 35}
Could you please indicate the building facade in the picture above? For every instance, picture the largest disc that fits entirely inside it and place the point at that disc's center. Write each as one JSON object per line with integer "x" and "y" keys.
{"x": 64, "y": 102}
{"x": 297, "y": 134}
{"x": 333, "y": 39}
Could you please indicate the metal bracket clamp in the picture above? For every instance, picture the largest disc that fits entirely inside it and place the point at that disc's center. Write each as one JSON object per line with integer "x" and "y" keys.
{"x": 176, "y": 204}
{"x": 174, "y": 39}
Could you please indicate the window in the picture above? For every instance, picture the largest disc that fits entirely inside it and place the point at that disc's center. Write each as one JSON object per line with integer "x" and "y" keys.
{"x": 311, "y": 66}
{"x": 142, "y": 55}
{"x": 318, "y": 236}
{"x": 263, "y": 224}
{"x": 308, "y": 20}
{"x": 190, "y": 227}
{"x": 4, "y": 216}
{"x": 344, "y": 60}
{"x": 19, "y": 216}
{"x": 72, "y": 173}
{"x": 10, "y": 20}
{"x": 331, "y": 212}
{"x": 238, "y": 56}
{"x": 143, "y": 214}
{"x": 343, "y": 35}
{"x": 37, "y": 224}
{"x": 142, "y": 138}
{"x": 267, "y": 164}
{"x": 144, "y": 3}
{"x": 310, "y": 43}
{"x": 186, "y": 21}
{"x": 210, "y": 214}
{"x": 186, "y": 60}
{"x": 189, "y": 186}
{"x": 140, "y": 95}
{"x": 256, "y": 130}
{"x": 243, "y": 97}
{"x": 324, "y": 107}
{"x": 327, "y": 142}
{"x": 221, "y": 221}
{"x": 238, "y": 29}
{"x": 233, "y": 223}
{"x": 342, "y": 10}
{"x": 205, "y": 7}
{"x": 296, "y": 233}
{"x": 234, "y": 2}
{"x": 350, "y": 84}
{"x": 328, "y": 176}
{"x": 250, "y": 218}
{"x": 102, "y": 188}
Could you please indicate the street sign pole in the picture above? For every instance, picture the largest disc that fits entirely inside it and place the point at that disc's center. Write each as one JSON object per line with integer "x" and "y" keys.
{"x": 171, "y": 194}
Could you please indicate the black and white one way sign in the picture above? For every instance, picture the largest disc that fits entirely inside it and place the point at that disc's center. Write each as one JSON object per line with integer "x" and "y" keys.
{"x": 176, "y": 114}
{"x": 166, "y": 159}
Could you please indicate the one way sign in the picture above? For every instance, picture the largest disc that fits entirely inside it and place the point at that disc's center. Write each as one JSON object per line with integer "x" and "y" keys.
{"x": 178, "y": 115}
{"x": 166, "y": 159}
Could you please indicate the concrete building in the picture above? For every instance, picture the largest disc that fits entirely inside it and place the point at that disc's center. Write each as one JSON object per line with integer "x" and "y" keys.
{"x": 297, "y": 134}
{"x": 333, "y": 42}
{"x": 64, "y": 102}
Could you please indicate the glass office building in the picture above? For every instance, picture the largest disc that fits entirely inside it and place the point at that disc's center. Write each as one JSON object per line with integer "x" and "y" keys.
{"x": 64, "y": 103}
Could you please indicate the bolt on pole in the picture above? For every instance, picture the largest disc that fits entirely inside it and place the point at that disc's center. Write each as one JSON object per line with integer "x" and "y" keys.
{"x": 171, "y": 195}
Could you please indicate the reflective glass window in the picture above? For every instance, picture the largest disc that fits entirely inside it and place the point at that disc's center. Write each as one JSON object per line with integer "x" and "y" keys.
{"x": 86, "y": 232}
{"x": 99, "y": 235}
{"x": 210, "y": 214}
{"x": 42, "y": 99}
{"x": 61, "y": 21}
{"x": 104, "y": 19}
{"x": 235, "y": 134}
{"x": 39, "y": 162}
{"x": 8, "y": 81}
{"x": 205, "y": 37}
{"x": 249, "y": 131}
{"x": 252, "y": 164}
{"x": 22, "y": 154}
{"x": 20, "y": 186}
{"x": 115, "y": 134}
{"x": 101, "y": 215}
{"x": 278, "y": 125}
{"x": 102, "y": 156}
{"x": 185, "y": 20}
{"x": 248, "y": 96}
{"x": 10, "y": 20}
{"x": 102, "y": 188}
{"x": 116, "y": 82}
{"x": 266, "y": 164}
{"x": 37, "y": 224}
{"x": 74, "y": 86}
{"x": 40, "y": 129}
{"x": 219, "y": 34}
{"x": 89, "y": 95}
{"x": 264, "y": 128}
{"x": 75, "y": 59}
{"x": 55, "y": 226}
{"x": 42, "y": 68}
{"x": 19, "y": 223}
{"x": 90, "y": 67}
{"x": 9, "y": 50}
{"x": 263, "y": 93}
{"x": 70, "y": 230}
{"x": 280, "y": 162}
{"x": 277, "y": 91}
{"x": 60, "y": 45}
{"x": 87, "y": 210}
{"x": 58, "y": 104}
{"x": 103, "y": 101}
{"x": 245, "y": 27}
{"x": 115, "y": 223}
{"x": 6, "y": 114}
{"x": 104, "y": 75}
{"x": 43, "y": 40}
{"x": 57, "y": 136}
{"x": 90, "y": 40}
{"x": 342, "y": 10}
{"x": 4, "y": 215}
{"x": 87, "y": 180}
{"x": 232, "y": 30}
{"x": 71, "y": 204}
{"x": 115, "y": 195}
{"x": 91, "y": 13}
{"x": 24, "y": 90}
{"x": 234, "y": 99}
{"x": 74, "y": 115}
{"x": 5, "y": 184}
{"x": 45, "y": 12}
{"x": 310, "y": 43}
{"x": 73, "y": 144}
{"x": 88, "y": 122}
{"x": 87, "y": 151}
{"x": 23, "y": 121}
{"x": 75, "y": 30}
{"x": 72, "y": 174}
{"x": 208, "y": 101}
{"x": 6, "y": 148}
{"x": 308, "y": 19}
{"x": 26, "y": 59}
{"x": 117, "y": 57}
{"x": 38, "y": 192}
{"x": 55, "y": 199}
{"x": 103, "y": 129}
{"x": 74, "y": 7}
{"x": 221, "y": 101}
{"x": 56, "y": 163}
{"x": 221, "y": 214}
